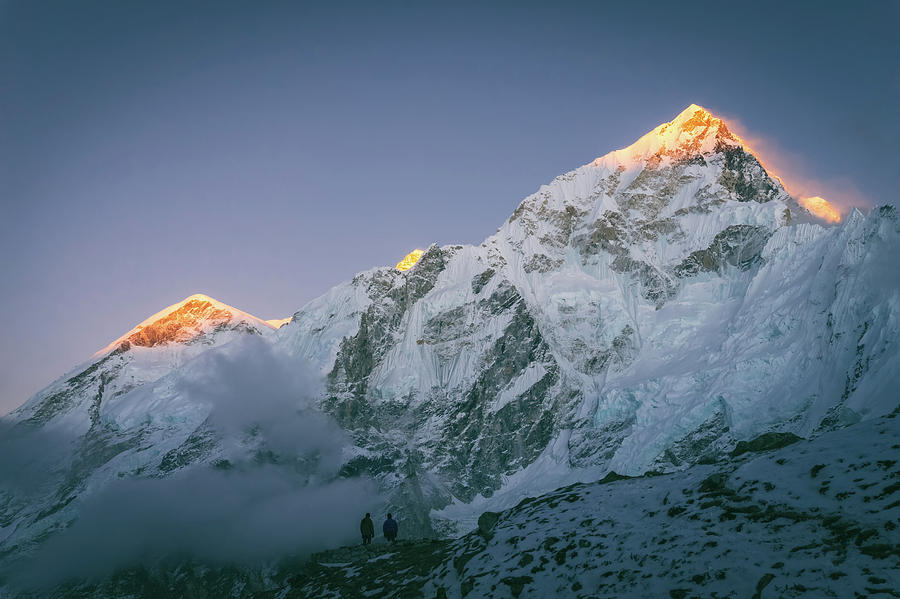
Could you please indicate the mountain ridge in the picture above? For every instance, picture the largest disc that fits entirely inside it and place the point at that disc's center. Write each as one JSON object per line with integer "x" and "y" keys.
{"x": 631, "y": 315}
{"x": 184, "y": 321}
{"x": 653, "y": 230}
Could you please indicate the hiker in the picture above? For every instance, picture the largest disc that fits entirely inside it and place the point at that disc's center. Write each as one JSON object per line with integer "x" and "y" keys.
{"x": 390, "y": 529}
{"x": 367, "y": 529}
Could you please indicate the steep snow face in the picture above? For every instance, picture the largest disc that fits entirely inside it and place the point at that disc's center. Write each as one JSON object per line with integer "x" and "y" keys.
{"x": 644, "y": 311}
{"x": 115, "y": 416}
{"x": 146, "y": 353}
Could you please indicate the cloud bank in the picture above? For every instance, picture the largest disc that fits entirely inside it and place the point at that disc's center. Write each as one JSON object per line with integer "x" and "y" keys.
{"x": 273, "y": 489}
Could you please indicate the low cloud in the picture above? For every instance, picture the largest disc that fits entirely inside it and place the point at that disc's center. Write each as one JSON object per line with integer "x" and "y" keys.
{"x": 219, "y": 517}
{"x": 279, "y": 492}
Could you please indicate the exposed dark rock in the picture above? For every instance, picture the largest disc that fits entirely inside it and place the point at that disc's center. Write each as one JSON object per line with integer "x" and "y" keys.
{"x": 486, "y": 523}
{"x": 744, "y": 176}
{"x": 737, "y": 245}
{"x": 479, "y": 281}
{"x": 765, "y": 442}
{"x": 482, "y": 445}
{"x": 656, "y": 285}
{"x": 199, "y": 444}
{"x": 705, "y": 441}
{"x": 541, "y": 263}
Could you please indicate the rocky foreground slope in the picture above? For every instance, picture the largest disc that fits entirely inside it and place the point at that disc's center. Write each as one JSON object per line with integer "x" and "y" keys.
{"x": 782, "y": 517}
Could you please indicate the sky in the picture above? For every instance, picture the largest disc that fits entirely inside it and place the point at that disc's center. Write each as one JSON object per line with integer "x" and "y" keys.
{"x": 261, "y": 153}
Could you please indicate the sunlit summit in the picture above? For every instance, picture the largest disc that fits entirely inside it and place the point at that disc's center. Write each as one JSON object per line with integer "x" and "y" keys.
{"x": 409, "y": 260}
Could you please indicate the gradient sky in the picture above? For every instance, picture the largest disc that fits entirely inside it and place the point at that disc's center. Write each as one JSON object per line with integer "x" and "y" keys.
{"x": 262, "y": 154}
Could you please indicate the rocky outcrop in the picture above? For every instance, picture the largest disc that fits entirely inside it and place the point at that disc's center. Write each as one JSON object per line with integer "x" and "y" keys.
{"x": 737, "y": 245}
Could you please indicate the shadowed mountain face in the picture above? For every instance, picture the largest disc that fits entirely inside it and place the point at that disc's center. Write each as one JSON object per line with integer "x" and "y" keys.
{"x": 645, "y": 312}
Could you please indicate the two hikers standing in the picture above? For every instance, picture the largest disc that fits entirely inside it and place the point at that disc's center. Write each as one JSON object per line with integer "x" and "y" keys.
{"x": 367, "y": 529}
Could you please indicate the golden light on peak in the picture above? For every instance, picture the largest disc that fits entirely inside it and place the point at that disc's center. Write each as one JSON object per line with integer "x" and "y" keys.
{"x": 410, "y": 260}
{"x": 821, "y": 208}
{"x": 278, "y": 322}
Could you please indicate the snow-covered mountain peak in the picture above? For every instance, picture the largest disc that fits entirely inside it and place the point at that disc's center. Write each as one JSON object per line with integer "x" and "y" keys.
{"x": 695, "y": 131}
{"x": 157, "y": 348}
{"x": 644, "y": 209}
{"x": 693, "y": 116}
{"x": 184, "y": 322}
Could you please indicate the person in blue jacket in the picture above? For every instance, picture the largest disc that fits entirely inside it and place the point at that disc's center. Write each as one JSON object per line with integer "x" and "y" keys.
{"x": 390, "y": 528}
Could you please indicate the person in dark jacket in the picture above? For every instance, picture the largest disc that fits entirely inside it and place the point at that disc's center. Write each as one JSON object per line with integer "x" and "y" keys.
{"x": 367, "y": 529}
{"x": 390, "y": 529}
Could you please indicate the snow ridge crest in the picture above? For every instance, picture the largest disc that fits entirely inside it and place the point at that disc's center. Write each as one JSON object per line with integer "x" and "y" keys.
{"x": 184, "y": 321}
{"x": 695, "y": 131}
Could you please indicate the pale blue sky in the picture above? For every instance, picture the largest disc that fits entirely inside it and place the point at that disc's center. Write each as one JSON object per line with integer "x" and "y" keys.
{"x": 262, "y": 154}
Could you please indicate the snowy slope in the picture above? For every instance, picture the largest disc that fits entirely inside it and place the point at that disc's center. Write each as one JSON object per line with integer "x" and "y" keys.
{"x": 814, "y": 519}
